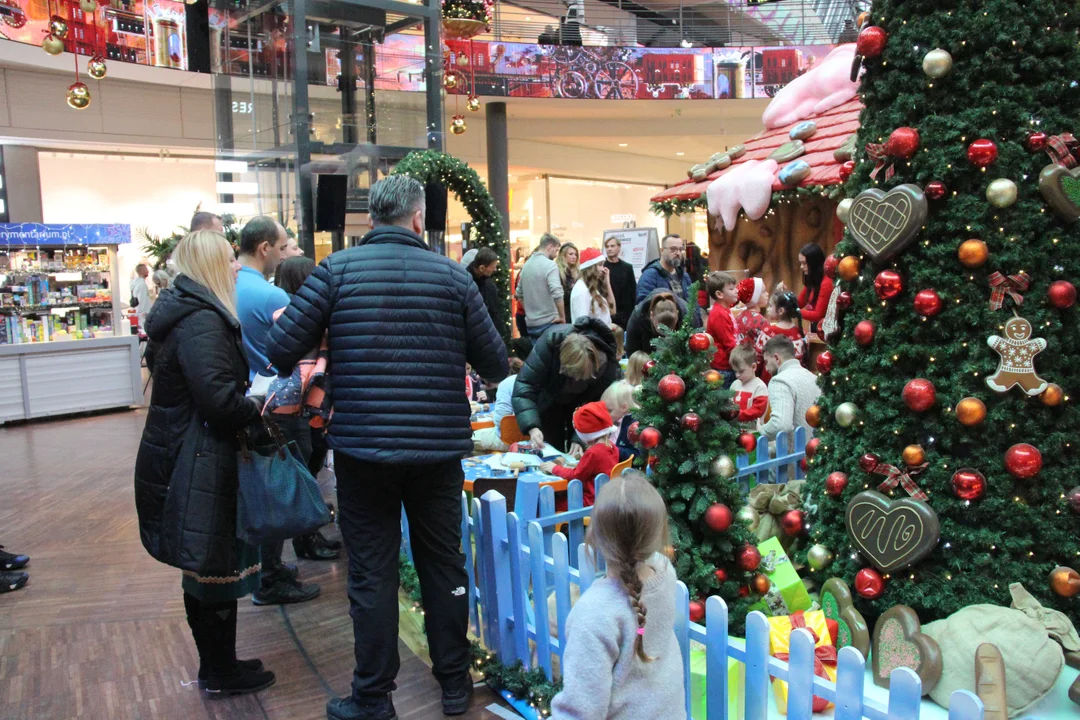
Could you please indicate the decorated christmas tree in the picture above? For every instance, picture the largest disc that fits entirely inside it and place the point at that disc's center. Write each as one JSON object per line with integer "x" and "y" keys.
{"x": 685, "y": 426}
{"x": 948, "y": 443}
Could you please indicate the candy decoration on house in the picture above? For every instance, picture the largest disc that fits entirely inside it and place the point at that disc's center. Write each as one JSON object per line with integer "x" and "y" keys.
{"x": 1017, "y": 366}
{"x": 899, "y": 642}
{"x": 884, "y": 223}
{"x": 891, "y": 534}
{"x": 747, "y": 186}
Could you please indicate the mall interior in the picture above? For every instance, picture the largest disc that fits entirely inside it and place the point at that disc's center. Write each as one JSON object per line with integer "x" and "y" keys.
{"x": 750, "y": 135}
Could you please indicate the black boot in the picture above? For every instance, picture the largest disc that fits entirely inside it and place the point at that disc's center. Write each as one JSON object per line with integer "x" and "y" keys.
{"x": 10, "y": 581}
{"x": 313, "y": 547}
{"x": 457, "y": 697}
{"x": 213, "y": 625}
{"x": 347, "y": 708}
{"x": 11, "y": 561}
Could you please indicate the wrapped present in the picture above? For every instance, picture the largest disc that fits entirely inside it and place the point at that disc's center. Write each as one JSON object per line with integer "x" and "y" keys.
{"x": 769, "y": 503}
{"x": 736, "y": 688}
{"x": 780, "y": 629}
{"x": 786, "y": 594}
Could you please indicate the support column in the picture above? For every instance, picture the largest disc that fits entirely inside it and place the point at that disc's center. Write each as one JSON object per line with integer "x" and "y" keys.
{"x": 498, "y": 164}
{"x": 23, "y": 176}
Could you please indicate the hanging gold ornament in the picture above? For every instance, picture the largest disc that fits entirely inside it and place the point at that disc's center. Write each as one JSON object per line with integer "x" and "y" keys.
{"x": 96, "y": 67}
{"x": 88, "y": 6}
{"x": 78, "y": 96}
{"x": 52, "y": 45}
{"x": 473, "y": 103}
{"x": 463, "y": 61}
{"x": 58, "y": 26}
{"x": 457, "y": 124}
{"x": 819, "y": 557}
{"x": 937, "y": 63}
{"x": 450, "y": 81}
{"x": 1001, "y": 193}
{"x": 843, "y": 210}
{"x": 722, "y": 466}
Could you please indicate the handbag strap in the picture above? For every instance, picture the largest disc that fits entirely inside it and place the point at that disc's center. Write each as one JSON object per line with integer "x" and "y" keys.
{"x": 275, "y": 432}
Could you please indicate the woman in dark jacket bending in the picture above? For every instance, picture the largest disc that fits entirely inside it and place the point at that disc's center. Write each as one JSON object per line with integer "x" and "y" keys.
{"x": 186, "y": 473}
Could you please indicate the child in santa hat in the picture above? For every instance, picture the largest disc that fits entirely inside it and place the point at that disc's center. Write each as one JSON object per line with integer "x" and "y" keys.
{"x": 751, "y": 322}
{"x": 596, "y": 429}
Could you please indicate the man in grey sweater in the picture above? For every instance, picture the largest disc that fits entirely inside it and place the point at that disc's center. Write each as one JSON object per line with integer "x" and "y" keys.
{"x": 792, "y": 390}
{"x": 539, "y": 288}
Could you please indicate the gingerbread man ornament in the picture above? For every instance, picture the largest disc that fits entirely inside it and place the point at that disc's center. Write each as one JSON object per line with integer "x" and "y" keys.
{"x": 1017, "y": 350}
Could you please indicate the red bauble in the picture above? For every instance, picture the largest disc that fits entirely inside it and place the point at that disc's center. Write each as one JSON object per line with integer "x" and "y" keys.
{"x": 919, "y": 395}
{"x": 869, "y": 461}
{"x": 647, "y": 367}
{"x": 825, "y": 361}
{"x": 968, "y": 484}
{"x": 744, "y": 591}
{"x": 748, "y": 558}
{"x": 730, "y": 411}
{"x": 871, "y": 42}
{"x": 747, "y": 441}
{"x": 671, "y": 387}
{"x": 1036, "y": 141}
{"x": 864, "y": 332}
{"x": 649, "y": 438}
{"x": 700, "y": 342}
{"x": 836, "y": 483}
{"x": 888, "y": 284}
{"x": 846, "y": 170}
{"x": 831, "y": 263}
{"x": 793, "y": 522}
{"x": 697, "y": 611}
{"x": 869, "y": 583}
{"x": 843, "y": 300}
{"x": 803, "y": 465}
{"x": 982, "y": 153}
{"x": 720, "y": 575}
{"x": 935, "y": 190}
{"x": 903, "y": 143}
{"x": 690, "y": 421}
{"x": 633, "y": 433}
{"x": 928, "y": 302}
{"x": 1062, "y": 294}
{"x": 1023, "y": 461}
{"x": 653, "y": 461}
{"x": 719, "y": 517}
{"x": 812, "y": 446}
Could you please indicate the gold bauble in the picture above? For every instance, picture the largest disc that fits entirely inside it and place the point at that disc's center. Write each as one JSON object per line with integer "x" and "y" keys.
{"x": 473, "y": 103}
{"x": 761, "y": 584}
{"x": 970, "y": 411}
{"x": 88, "y": 6}
{"x": 96, "y": 67}
{"x": 937, "y": 63}
{"x": 1065, "y": 581}
{"x": 848, "y": 269}
{"x": 463, "y": 61}
{"x": 1052, "y": 395}
{"x": 819, "y": 557}
{"x": 713, "y": 377}
{"x": 723, "y": 466}
{"x": 78, "y": 96}
{"x": 58, "y": 26}
{"x": 457, "y": 124}
{"x": 813, "y": 416}
{"x": 747, "y": 517}
{"x": 52, "y": 45}
{"x": 914, "y": 455}
{"x": 843, "y": 210}
{"x": 450, "y": 81}
{"x": 973, "y": 254}
{"x": 846, "y": 414}
{"x": 1001, "y": 193}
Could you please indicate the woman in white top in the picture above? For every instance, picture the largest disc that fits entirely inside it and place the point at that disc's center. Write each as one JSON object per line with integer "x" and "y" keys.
{"x": 592, "y": 295}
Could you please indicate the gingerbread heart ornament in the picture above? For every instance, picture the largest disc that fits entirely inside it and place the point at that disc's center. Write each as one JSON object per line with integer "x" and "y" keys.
{"x": 891, "y": 534}
{"x": 836, "y": 602}
{"x": 899, "y": 642}
{"x": 884, "y": 223}
{"x": 1060, "y": 187}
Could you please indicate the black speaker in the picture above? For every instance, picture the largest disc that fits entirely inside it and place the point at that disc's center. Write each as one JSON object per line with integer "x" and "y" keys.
{"x": 435, "y": 196}
{"x": 330, "y": 203}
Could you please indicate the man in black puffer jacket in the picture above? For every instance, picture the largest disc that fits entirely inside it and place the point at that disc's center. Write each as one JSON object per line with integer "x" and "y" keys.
{"x": 402, "y": 323}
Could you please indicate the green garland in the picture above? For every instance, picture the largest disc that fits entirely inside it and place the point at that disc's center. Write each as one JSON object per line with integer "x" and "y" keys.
{"x": 667, "y": 208}
{"x": 460, "y": 179}
{"x": 531, "y": 686}
{"x": 408, "y": 578}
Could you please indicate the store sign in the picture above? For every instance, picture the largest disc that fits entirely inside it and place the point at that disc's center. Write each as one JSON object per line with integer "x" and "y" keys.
{"x": 22, "y": 234}
{"x": 240, "y": 107}
{"x": 640, "y": 246}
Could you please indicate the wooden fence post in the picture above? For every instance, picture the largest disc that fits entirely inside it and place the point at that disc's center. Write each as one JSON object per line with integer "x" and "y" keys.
{"x": 965, "y": 705}
{"x": 905, "y": 694}
{"x": 757, "y": 666}
{"x": 496, "y": 575}
{"x": 519, "y": 589}
{"x": 850, "y": 676}
{"x": 470, "y": 563}
{"x": 800, "y": 703}
{"x": 682, "y": 634}
{"x": 716, "y": 659}
{"x": 539, "y": 588}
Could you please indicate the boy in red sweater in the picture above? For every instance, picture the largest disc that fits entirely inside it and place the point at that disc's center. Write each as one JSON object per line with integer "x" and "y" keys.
{"x": 751, "y": 394}
{"x": 594, "y": 426}
{"x": 724, "y": 293}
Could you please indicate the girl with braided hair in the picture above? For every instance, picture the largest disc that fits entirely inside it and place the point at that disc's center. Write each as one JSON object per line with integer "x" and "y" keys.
{"x": 622, "y": 659}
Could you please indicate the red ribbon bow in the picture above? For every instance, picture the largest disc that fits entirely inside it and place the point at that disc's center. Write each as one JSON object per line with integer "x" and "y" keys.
{"x": 895, "y": 476}
{"x": 1013, "y": 285}
{"x": 881, "y": 158}
{"x": 1060, "y": 149}
{"x": 824, "y": 655}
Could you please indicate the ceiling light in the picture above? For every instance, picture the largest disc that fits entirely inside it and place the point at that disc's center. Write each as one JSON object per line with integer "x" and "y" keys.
{"x": 680, "y": 154}
{"x": 622, "y": 144}
{"x": 238, "y": 188}
{"x": 230, "y": 166}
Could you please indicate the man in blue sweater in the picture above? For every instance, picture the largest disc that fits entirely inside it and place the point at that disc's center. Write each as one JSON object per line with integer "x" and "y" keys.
{"x": 667, "y": 272}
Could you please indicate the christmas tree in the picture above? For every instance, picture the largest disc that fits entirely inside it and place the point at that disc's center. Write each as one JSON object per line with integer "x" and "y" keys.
{"x": 685, "y": 426}
{"x": 940, "y": 397}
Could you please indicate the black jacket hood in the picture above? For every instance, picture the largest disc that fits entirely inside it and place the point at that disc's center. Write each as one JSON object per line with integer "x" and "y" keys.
{"x": 177, "y": 302}
{"x": 600, "y": 334}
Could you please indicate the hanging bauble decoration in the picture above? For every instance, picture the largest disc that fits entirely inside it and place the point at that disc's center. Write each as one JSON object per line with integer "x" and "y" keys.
{"x": 793, "y": 522}
{"x": 1062, "y": 294}
{"x": 903, "y": 143}
{"x": 871, "y": 42}
{"x": 761, "y": 584}
{"x": 58, "y": 26}
{"x": 973, "y": 254}
{"x": 1072, "y": 499}
{"x": 937, "y": 63}
{"x": 970, "y": 411}
{"x": 462, "y": 19}
{"x": 843, "y": 300}
{"x": 919, "y": 395}
{"x": 697, "y": 611}
{"x": 968, "y": 484}
{"x": 1036, "y": 141}
{"x": 843, "y": 210}
{"x": 52, "y": 45}
{"x": 747, "y": 442}
{"x": 846, "y": 170}
{"x": 982, "y": 153}
{"x": 825, "y": 362}
{"x": 720, "y": 575}
{"x": 653, "y": 462}
{"x": 836, "y": 483}
{"x": 730, "y": 411}
{"x": 718, "y": 517}
{"x": 846, "y": 413}
{"x": 813, "y": 416}
{"x": 713, "y": 377}
{"x": 848, "y": 269}
{"x": 463, "y": 60}
{"x": 1023, "y": 461}
{"x": 1065, "y": 581}
{"x": 723, "y": 466}
{"x": 671, "y": 387}
{"x": 1052, "y": 395}
{"x": 869, "y": 583}
{"x": 96, "y": 68}
{"x": 1001, "y": 193}
{"x": 888, "y": 284}
{"x": 819, "y": 557}
{"x": 88, "y": 6}
{"x": 864, "y": 332}
{"x": 747, "y": 516}
{"x": 700, "y": 342}
{"x": 650, "y": 438}
{"x": 690, "y": 421}
{"x": 748, "y": 558}
{"x": 633, "y": 433}
{"x": 78, "y": 96}
{"x": 812, "y": 446}
{"x": 457, "y": 124}
{"x": 868, "y": 462}
{"x": 935, "y": 190}
{"x": 450, "y": 81}
{"x": 928, "y": 302}
{"x": 473, "y": 104}
{"x": 913, "y": 455}
{"x": 648, "y": 366}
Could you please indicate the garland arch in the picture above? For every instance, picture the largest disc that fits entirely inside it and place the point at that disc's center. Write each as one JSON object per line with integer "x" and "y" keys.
{"x": 460, "y": 179}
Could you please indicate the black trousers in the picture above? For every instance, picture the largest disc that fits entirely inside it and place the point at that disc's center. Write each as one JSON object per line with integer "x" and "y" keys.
{"x": 370, "y": 497}
{"x": 298, "y": 430}
{"x": 557, "y": 425}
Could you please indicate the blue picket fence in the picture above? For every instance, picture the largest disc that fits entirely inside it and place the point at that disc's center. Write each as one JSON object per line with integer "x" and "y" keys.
{"x": 524, "y": 566}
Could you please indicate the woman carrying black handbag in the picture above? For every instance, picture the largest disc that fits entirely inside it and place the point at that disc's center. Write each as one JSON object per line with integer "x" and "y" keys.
{"x": 186, "y": 475}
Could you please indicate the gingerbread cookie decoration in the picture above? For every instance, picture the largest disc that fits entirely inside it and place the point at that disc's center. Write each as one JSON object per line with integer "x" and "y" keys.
{"x": 1017, "y": 350}
{"x": 836, "y": 602}
{"x": 899, "y": 642}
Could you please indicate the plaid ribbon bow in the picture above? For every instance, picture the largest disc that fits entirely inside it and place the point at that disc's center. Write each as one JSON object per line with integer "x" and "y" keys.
{"x": 881, "y": 159}
{"x": 824, "y": 655}
{"x": 895, "y": 476}
{"x": 1060, "y": 148}
{"x": 1012, "y": 285}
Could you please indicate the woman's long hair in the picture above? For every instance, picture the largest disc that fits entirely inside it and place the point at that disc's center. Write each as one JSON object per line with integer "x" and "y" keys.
{"x": 815, "y": 271}
{"x": 568, "y": 274}
{"x": 597, "y": 285}
{"x": 292, "y": 273}
{"x": 206, "y": 257}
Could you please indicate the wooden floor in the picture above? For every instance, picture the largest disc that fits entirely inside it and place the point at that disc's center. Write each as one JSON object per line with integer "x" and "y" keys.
{"x": 99, "y": 631}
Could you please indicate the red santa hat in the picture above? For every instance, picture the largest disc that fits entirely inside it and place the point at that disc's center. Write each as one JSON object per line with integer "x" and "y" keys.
{"x": 593, "y": 421}
{"x": 589, "y": 257}
{"x": 750, "y": 290}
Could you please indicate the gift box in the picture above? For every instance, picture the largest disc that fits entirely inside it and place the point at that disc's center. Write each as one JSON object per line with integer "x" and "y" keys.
{"x": 736, "y": 686}
{"x": 780, "y": 629}
{"x": 787, "y": 594}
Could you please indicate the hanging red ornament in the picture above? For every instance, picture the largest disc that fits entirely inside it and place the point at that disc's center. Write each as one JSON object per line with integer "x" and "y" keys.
{"x": 748, "y": 558}
{"x": 903, "y": 143}
{"x": 647, "y": 367}
{"x": 864, "y": 332}
{"x": 871, "y": 42}
{"x": 720, "y": 575}
{"x": 793, "y": 522}
{"x": 633, "y": 433}
{"x": 836, "y": 483}
{"x": 846, "y": 170}
{"x": 869, "y": 583}
{"x": 812, "y": 446}
{"x": 1062, "y": 294}
{"x": 919, "y": 395}
{"x": 803, "y": 465}
{"x": 869, "y": 461}
{"x": 831, "y": 263}
{"x": 843, "y": 300}
{"x": 968, "y": 484}
{"x": 718, "y": 517}
{"x": 744, "y": 591}
{"x": 697, "y": 611}
{"x": 690, "y": 421}
{"x": 700, "y": 342}
{"x": 935, "y": 190}
{"x": 650, "y": 438}
{"x": 888, "y": 284}
{"x": 1023, "y": 461}
{"x": 1036, "y": 142}
{"x": 747, "y": 442}
{"x": 982, "y": 153}
{"x": 928, "y": 302}
{"x": 825, "y": 362}
{"x": 729, "y": 411}
{"x": 671, "y": 387}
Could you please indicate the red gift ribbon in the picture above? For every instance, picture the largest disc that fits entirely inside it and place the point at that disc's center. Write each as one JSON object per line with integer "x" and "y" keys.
{"x": 895, "y": 476}
{"x": 881, "y": 159}
{"x": 1060, "y": 149}
{"x": 824, "y": 655}
{"x": 1013, "y": 285}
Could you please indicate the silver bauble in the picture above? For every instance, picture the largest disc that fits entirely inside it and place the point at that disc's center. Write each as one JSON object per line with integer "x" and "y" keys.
{"x": 937, "y": 63}
{"x": 747, "y": 516}
{"x": 843, "y": 210}
{"x": 723, "y": 466}
{"x": 846, "y": 414}
{"x": 1001, "y": 193}
{"x": 819, "y": 557}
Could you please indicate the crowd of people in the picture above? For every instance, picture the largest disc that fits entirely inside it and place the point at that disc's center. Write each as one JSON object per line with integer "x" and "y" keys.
{"x": 354, "y": 356}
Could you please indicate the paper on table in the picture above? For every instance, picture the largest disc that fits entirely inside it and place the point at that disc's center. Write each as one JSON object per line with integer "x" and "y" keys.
{"x": 502, "y": 462}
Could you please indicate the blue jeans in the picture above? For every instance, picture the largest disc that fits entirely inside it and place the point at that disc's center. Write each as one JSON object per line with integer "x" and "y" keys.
{"x": 536, "y": 332}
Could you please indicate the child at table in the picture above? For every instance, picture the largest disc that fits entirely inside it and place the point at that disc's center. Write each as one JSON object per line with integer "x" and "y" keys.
{"x": 594, "y": 426}
{"x": 786, "y": 320}
{"x": 635, "y": 368}
{"x": 490, "y": 439}
{"x": 620, "y": 402}
{"x": 751, "y": 394}
{"x": 622, "y": 659}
